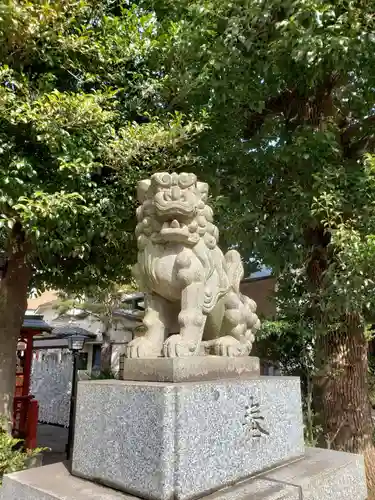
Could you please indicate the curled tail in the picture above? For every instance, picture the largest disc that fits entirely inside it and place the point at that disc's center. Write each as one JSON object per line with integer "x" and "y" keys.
{"x": 235, "y": 274}
{"x": 235, "y": 270}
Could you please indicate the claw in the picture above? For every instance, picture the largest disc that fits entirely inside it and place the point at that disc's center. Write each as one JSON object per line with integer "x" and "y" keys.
{"x": 142, "y": 347}
{"x": 177, "y": 347}
{"x": 231, "y": 347}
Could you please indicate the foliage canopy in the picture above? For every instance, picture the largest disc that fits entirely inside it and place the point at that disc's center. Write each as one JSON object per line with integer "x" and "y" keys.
{"x": 287, "y": 89}
{"x": 78, "y": 128}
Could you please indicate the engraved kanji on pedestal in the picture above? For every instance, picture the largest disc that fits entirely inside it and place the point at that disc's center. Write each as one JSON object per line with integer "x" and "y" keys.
{"x": 254, "y": 420}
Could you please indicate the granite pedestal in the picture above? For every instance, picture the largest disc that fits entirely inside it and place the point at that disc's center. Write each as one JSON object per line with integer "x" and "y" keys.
{"x": 194, "y": 369}
{"x": 320, "y": 475}
{"x": 182, "y": 433}
{"x": 164, "y": 441}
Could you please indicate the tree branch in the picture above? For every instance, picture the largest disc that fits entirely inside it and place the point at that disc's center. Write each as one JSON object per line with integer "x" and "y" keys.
{"x": 274, "y": 106}
{"x": 358, "y": 128}
{"x": 297, "y": 107}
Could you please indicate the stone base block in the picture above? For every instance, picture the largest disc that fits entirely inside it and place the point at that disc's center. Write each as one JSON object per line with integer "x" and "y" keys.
{"x": 321, "y": 475}
{"x": 53, "y": 482}
{"x": 325, "y": 474}
{"x": 190, "y": 369}
{"x": 179, "y": 441}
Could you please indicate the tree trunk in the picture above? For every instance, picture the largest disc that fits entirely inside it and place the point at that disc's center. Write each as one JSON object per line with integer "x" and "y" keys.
{"x": 342, "y": 389}
{"x": 13, "y": 303}
{"x": 106, "y": 354}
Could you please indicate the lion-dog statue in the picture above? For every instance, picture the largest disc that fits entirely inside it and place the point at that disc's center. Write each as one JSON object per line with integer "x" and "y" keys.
{"x": 193, "y": 301}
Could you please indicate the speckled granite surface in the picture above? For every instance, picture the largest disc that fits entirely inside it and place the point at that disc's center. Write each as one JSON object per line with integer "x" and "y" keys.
{"x": 193, "y": 369}
{"x": 321, "y": 475}
{"x": 162, "y": 441}
{"x": 325, "y": 474}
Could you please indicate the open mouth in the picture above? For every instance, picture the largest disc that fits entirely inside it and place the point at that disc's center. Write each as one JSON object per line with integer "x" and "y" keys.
{"x": 177, "y": 229}
{"x": 173, "y": 224}
{"x": 174, "y": 227}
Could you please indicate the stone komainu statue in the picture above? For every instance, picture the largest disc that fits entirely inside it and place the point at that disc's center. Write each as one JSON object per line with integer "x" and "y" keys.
{"x": 193, "y": 302}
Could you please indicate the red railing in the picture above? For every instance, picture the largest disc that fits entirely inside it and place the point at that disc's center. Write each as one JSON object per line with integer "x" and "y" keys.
{"x": 19, "y": 384}
{"x": 25, "y": 420}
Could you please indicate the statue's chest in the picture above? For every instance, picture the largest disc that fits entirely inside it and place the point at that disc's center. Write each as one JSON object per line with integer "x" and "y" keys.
{"x": 165, "y": 269}
{"x": 162, "y": 276}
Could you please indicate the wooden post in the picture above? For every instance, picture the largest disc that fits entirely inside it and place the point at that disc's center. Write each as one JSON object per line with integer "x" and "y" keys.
{"x": 28, "y": 334}
{"x": 32, "y": 425}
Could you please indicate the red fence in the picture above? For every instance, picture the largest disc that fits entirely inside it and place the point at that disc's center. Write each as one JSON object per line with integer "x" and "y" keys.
{"x": 25, "y": 420}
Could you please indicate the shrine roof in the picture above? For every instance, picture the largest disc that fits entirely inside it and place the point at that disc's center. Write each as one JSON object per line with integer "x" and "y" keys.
{"x": 35, "y": 322}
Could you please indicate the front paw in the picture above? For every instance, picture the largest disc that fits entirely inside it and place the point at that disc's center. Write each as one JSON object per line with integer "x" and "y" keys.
{"x": 178, "y": 347}
{"x": 142, "y": 347}
{"x": 231, "y": 347}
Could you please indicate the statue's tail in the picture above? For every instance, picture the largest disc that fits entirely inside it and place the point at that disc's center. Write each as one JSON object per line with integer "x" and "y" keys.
{"x": 235, "y": 274}
{"x": 235, "y": 270}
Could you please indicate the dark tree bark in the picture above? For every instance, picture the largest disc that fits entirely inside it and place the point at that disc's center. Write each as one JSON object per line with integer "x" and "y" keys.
{"x": 13, "y": 304}
{"x": 341, "y": 387}
{"x": 342, "y": 390}
{"x": 341, "y": 393}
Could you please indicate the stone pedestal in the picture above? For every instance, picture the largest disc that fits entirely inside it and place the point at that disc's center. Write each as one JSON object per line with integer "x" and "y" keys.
{"x": 182, "y": 432}
{"x": 194, "y": 369}
{"x": 163, "y": 441}
{"x": 320, "y": 475}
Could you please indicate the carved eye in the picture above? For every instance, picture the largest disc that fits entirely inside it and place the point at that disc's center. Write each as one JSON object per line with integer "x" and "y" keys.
{"x": 186, "y": 180}
{"x": 165, "y": 180}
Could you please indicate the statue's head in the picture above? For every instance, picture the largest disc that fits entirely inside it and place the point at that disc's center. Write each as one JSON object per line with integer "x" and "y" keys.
{"x": 174, "y": 210}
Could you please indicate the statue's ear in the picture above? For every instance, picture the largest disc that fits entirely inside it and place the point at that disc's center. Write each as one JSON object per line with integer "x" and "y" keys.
{"x": 142, "y": 188}
{"x": 203, "y": 189}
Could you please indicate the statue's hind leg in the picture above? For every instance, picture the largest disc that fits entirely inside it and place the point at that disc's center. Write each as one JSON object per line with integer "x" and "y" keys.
{"x": 234, "y": 343}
